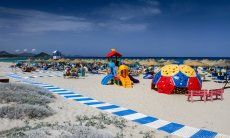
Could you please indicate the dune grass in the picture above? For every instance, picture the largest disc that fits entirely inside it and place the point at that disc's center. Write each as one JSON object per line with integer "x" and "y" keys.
{"x": 64, "y": 130}
{"x": 24, "y": 94}
{"x": 101, "y": 121}
{"x": 25, "y": 110}
{"x": 24, "y": 101}
{"x": 85, "y": 126}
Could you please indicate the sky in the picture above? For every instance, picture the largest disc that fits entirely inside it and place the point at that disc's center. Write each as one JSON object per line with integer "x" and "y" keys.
{"x": 153, "y": 28}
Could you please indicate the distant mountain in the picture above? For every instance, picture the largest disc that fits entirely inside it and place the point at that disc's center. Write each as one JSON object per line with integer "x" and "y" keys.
{"x": 26, "y": 54}
{"x": 42, "y": 55}
{"x": 6, "y": 54}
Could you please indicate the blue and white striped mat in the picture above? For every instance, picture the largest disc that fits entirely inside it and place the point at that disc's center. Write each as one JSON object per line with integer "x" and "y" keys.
{"x": 150, "y": 121}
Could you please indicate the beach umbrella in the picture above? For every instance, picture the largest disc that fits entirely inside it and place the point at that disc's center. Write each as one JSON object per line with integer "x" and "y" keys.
{"x": 152, "y": 62}
{"x": 128, "y": 62}
{"x": 39, "y": 60}
{"x": 176, "y": 79}
{"x": 50, "y": 60}
{"x": 62, "y": 60}
{"x": 68, "y": 60}
{"x": 136, "y": 63}
{"x": 82, "y": 60}
{"x": 148, "y": 62}
{"x": 194, "y": 63}
{"x": 168, "y": 62}
{"x": 208, "y": 62}
{"x": 88, "y": 61}
{"x": 222, "y": 63}
{"x": 76, "y": 61}
{"x": 103, "y": 61}
{"x": 143, "y": 62}
{"x": 161, "y": 60}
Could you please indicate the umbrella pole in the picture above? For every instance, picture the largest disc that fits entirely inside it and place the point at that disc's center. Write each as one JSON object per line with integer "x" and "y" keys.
{"x": 226, "y": 84}
{"x": 226, "y": 81}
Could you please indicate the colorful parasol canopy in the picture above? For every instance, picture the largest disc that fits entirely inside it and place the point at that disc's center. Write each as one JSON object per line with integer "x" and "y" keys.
{"x": 177, "y": 79}
{"x": 113, "y": 53}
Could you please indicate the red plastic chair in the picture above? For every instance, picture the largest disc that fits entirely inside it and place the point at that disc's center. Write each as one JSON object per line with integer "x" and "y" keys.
{"x": 197, "y": 93}
{"x": 217, "y": 93}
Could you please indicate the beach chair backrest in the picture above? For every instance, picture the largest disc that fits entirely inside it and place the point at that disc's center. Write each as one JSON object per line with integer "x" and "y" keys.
{"x": 198, "y": 92}
{"x": 217, "y": 91}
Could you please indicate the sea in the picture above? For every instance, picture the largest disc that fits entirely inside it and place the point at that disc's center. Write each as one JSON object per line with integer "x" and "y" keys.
{"x": 178, "y": 60}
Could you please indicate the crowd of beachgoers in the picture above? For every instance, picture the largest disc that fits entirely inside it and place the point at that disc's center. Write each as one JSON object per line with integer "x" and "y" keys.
{"x": 148, "y": 67}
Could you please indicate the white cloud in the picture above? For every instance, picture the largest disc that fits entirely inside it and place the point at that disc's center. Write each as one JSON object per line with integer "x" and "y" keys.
{"x": 37, "y": 21}
{"x": 126, "y": 12}
{"x": 125, "y": 27}
{"x": 151, "y": 2}
{"x": 131, "y": 27}
{"x": 17, "y": 50}
{"x": 33, "y": 50}
{"x": 115, "y": 16}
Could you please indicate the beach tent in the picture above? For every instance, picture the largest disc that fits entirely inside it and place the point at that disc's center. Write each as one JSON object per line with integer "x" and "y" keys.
{"x": 176, "y": 79}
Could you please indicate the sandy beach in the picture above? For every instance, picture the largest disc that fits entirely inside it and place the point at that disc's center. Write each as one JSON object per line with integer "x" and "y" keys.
{"x": 66, "y": 112}
{"x": 208, "y": 115}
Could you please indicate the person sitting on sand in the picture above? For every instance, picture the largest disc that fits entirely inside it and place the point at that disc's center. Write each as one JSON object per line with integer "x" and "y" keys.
{"x": 74, "y": 72}
{"x": 67, "y": 72}
{"x": 81, "y": 71}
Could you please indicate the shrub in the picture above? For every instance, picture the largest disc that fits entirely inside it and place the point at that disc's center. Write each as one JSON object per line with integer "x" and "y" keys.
{"x": 21, "y": 111}
{"x": 24, "y": 94}
{"x": 101, "y": 121}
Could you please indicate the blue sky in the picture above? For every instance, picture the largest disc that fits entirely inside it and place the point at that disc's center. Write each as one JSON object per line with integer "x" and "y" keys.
{"x": 133, "y": 27}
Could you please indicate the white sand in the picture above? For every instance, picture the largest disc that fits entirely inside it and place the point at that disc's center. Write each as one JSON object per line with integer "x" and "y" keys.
{"x": 213, "y": 116}
{"x": 67, "y": 110}
{"x": 210, "y": 115}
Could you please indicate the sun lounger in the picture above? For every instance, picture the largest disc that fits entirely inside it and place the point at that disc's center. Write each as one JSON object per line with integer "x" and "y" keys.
{"x": 217, "y": 93}
{"x": 197, "y": 93}
{"x": 205, "y": 94}
{"x": 221, "y": 81}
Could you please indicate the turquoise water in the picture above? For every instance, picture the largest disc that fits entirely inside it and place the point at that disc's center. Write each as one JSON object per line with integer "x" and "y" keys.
{"x": 12, "y": 59}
